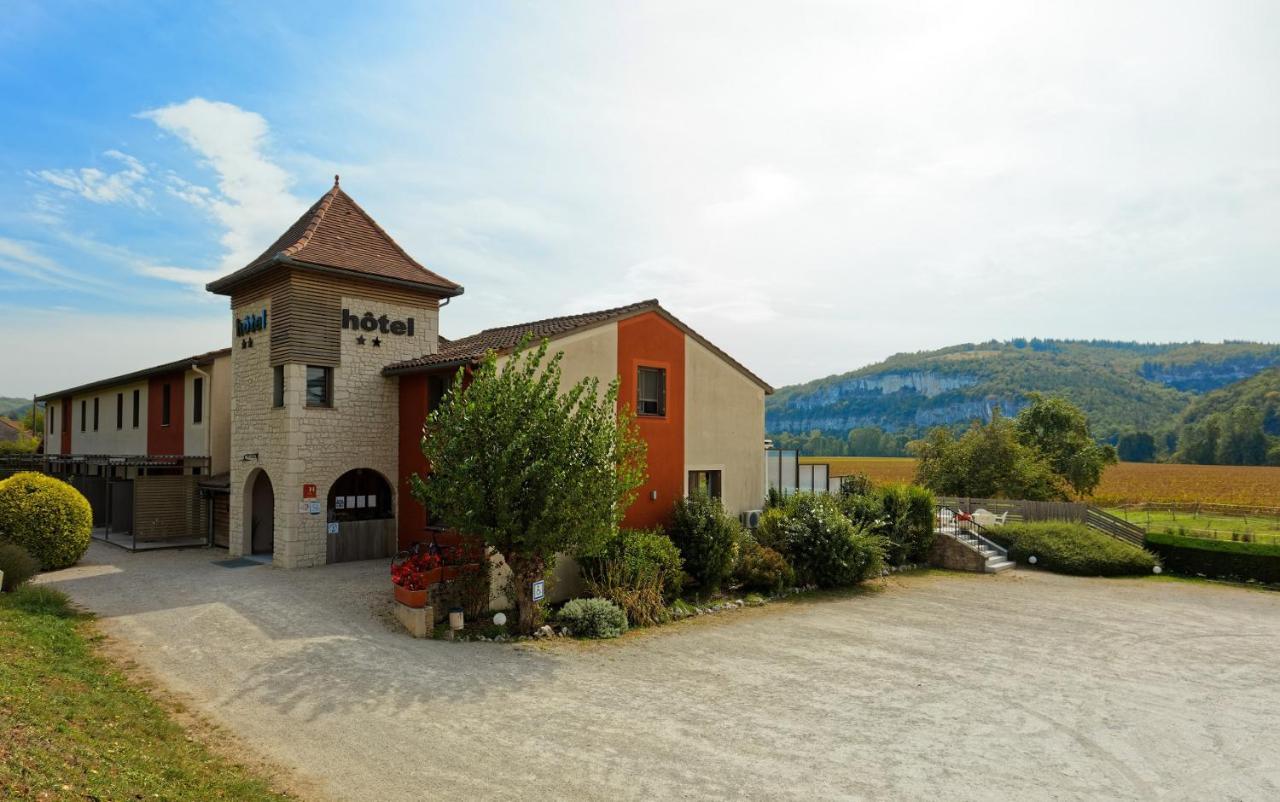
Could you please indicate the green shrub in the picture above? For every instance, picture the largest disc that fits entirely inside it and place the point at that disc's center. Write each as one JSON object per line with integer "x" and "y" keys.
{"x": 17, "y": 565}
{"x": 707, "y": 538}
{"x": 592, "y": 618}
{"x": 1074, "y": 549}
{"x": 41, "y": 600}
{"x": 821, "y": 543}
{"x": 762, "y": 569}
{"x": 47, "y": 517}
{"x": 639, "y": 570}
{"x": 1228, "y": 559}
{"x": 906, "y": 522}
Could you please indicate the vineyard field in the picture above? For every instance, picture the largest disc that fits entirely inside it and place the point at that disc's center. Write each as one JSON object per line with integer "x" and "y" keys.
{"x": 1126, "y": 483}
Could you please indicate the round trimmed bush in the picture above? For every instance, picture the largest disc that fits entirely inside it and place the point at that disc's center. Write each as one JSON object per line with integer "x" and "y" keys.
{"x": 47, "y": 517}
{"x": 17, "y": 565}
{"x": 593, "y": 618}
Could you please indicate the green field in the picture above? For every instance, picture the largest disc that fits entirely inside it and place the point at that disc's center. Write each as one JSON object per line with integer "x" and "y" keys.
{"x": 1217, "y": 526}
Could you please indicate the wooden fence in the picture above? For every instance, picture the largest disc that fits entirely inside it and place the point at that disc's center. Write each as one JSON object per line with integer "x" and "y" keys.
{"x": 1068, "y": 511}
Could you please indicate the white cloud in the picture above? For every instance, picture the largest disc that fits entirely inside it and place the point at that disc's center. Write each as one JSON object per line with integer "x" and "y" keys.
{"x": 195, "y": 279}
{"x": 122, "y": 186}
{"x": 26, "y": 260}
{"x": 768, "y": 192}
{"x": 253, "y": 202}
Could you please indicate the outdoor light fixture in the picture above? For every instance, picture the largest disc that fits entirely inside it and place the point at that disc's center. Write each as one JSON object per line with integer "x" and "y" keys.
{"x": 250, "y": 457}
{"x": 499, "y": 619}
{"x": 1032, "y": 559}
{"x": 653, "y": 495}
{"x": 1157, "y": 569}
{"x": 455, "y": 619}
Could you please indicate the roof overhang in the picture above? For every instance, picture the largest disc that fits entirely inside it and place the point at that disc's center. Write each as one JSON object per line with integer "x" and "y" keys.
{"x": 129, "y": 378}
{"x": 227, "y": 284}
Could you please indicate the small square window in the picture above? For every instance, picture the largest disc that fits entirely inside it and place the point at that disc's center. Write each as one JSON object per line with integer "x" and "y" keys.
{"x": 651, "y": 392}
{"x": 706, "y": 483}
{"x": 319, "y": 386}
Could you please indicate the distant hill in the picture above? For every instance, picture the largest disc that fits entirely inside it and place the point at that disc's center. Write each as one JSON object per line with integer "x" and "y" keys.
{"x": 1121, "y": 385}
{"x": 14, "y": 408}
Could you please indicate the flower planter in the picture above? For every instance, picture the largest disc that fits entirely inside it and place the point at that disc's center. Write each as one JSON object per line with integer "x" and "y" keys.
{"x": 410, "y": 598}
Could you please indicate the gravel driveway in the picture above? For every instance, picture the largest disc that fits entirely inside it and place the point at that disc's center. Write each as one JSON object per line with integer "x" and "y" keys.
{"x": 1023, "y": 685}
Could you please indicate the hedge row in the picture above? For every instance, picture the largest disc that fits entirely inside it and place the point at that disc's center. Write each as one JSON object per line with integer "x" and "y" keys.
{"x": 1226, "y": 559}
{"x": 1068, "y": 548}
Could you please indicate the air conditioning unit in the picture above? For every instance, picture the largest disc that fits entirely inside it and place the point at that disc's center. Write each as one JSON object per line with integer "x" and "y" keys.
{"x": 751, "y": 518}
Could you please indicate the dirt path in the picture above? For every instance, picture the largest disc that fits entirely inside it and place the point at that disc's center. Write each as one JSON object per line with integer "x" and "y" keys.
{"x": 1022, "y": 685}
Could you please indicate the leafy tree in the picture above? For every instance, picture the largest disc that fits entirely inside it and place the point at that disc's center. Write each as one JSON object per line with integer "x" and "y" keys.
{"x": 1059, "y": 431}
{"x": 1242, "y": 440}
{"x": 1136, "y": 447}
{"x": 531, "y": 470}
{"x": 988, "y": 461}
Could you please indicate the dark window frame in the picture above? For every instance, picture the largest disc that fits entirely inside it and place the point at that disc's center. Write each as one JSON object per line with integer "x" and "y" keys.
{"x": 119, "y": 411}
{"x": 137, "y": 407}
{"x": 84, "y": 413}
{"x": 166, "y": 404}
{"x": 325, "y": 379}
{"x": 714, "y": 483}
{"x": 51, "y": 413}
{"x": 197, "y": 400}
{"x": 277, "y": 386}
{"x": 651, "y": 407}
{"x": 96, "y": 404}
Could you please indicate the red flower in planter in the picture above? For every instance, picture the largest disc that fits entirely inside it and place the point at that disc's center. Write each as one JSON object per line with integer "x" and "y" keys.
{"x": 417, "y": 571}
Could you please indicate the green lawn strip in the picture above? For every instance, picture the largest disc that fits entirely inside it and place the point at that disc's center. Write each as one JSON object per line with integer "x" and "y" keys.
{"x": 1205, "y": 544}
{"x": 75, "y": 728}
{"x": 1221, "y": 527}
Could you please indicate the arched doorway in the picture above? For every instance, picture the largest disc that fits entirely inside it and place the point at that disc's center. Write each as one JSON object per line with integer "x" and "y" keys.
{"x": 360, "y": 505}
{"x": 262, "y": 515}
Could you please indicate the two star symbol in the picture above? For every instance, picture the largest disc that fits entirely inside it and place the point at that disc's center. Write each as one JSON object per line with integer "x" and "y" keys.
{"x": 376, "y": 341}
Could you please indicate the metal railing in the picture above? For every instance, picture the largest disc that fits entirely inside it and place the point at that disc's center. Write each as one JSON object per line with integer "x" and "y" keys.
{"x": 952, "y": 522}
{"x": 1066, "y": 511}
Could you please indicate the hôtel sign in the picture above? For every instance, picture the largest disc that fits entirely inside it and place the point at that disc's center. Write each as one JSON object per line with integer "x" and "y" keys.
{"x": 380, "y": 323}
{"x": 251, "y": 323}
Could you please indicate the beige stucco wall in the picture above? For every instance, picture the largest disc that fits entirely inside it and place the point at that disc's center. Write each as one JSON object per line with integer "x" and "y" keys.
{"x": 52, "y": 438}
{"x": 299, "y": 445}
{"x": 724, "y": 426}
{"x": 108, "y": 439}
{"x": 220, "y": 415}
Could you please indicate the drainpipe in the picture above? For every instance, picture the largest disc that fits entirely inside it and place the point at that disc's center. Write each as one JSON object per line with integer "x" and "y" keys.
{"x": 208, "y": 435}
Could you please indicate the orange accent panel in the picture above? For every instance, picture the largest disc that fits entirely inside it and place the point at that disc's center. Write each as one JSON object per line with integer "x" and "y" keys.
{"x": 66, "y": 424}
{"x": 411, "y": 517}
{"x": 648, "y": 340}
{"x": 165, "y": 440}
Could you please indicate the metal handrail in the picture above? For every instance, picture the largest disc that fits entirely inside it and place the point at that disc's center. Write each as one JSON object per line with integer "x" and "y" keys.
{"x": 968, "y": 529}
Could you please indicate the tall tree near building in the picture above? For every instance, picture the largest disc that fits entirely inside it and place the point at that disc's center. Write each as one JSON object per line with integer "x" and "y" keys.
{"x": 534, "y": 469}
{"x": 1059, "y": 431}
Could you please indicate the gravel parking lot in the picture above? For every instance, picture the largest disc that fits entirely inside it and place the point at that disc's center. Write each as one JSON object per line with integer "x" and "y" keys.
{"x": 1024, "y": 685}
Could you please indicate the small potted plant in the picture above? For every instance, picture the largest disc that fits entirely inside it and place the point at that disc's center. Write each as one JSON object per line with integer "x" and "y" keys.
{"x": 413, "y": 575}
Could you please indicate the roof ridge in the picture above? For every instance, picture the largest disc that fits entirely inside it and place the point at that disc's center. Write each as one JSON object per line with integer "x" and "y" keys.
{"x": 596, "y": 313}
{"x": 381, "y": 230}
{"x": 319, "y": 210}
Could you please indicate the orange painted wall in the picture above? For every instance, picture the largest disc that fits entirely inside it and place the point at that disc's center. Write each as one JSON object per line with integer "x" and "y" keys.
{"x": 165, "y": 440}
{"x": 411, "y": 517}
{"x": 650, "y": 341}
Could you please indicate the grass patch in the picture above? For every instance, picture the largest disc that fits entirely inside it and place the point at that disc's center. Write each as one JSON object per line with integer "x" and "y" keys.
{"x": 1073, "y": 549}
{"x": 1205, "y": 544}
{"x": 75, "y": 728}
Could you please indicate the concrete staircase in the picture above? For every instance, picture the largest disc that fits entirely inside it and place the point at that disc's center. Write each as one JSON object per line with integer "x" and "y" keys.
{"x": 997, "y": 558}
{"x": 971, "y": 549}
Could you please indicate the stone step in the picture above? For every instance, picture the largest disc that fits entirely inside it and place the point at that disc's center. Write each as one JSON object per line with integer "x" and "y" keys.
{"x": 998, "y": 566}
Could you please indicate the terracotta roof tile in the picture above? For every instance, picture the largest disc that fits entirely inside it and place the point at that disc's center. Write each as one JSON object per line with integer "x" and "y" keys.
{"x": 504, "y": 338}
{"x": 336, "y": 233}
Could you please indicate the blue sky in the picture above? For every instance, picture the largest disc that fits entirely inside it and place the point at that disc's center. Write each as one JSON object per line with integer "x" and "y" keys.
{"x": 813, "y": 186}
